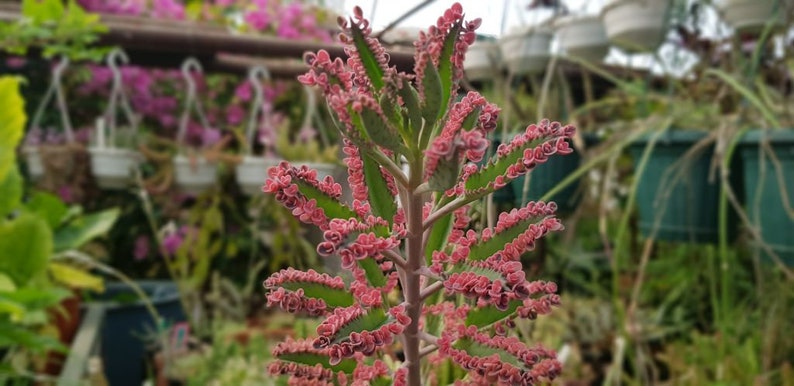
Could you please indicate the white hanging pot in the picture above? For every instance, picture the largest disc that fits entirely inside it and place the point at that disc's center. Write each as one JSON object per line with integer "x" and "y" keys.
{"x": 33, "y": 160}
{"x": 636, "y": 25}
{"x": 526, "y": 51}
{"x": 482, "y": 60}
{"x": 583, "y": 37}
{"x": 752, "y": 16}
{"x": 252, "y": 173}
{"x": 113, "y": 167}
{"x": 194, "y": 175}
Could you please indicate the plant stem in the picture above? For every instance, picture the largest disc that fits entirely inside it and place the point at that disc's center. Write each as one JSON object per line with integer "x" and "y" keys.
{"x": 412, "y": 286}
{"x": 431, "y": 289}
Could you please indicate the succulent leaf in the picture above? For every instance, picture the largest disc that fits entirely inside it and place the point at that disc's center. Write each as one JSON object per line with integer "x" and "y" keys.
{"x": 374, "y": 274}
{"x": 312, "y": 359}
{"x": 489, "y": 314}
{"x": 485, "y": 249}
{"x": 370, "y": 321}
{"x": 380, "y": 198}
{"x": 332, "y": 207}
{"x": 333, "y": 297}
{"x": 368, "y": 58}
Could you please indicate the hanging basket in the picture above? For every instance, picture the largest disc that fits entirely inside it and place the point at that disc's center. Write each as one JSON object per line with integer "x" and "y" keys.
{"x": 764, "y": 192}
{"x": 636, "y": 25}
{"x": 194, "y": 175}
{"x": 679, "y": 201}
{"x": 583, "y": 37}
{"x": 114, "y": 168}
{"x": 33, "y": 162}
{"x": 526, "y": 51}
{"x": 252, "y": 172}
{"x": 754, "y": 16}
{"x": 482, "y": 60}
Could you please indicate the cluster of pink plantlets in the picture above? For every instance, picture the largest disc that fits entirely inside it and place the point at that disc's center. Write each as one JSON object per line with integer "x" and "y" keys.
{"x": 406, "y": 236}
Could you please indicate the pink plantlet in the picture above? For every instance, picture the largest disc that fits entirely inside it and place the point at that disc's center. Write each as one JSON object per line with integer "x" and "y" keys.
{"x": 405, "y": 236}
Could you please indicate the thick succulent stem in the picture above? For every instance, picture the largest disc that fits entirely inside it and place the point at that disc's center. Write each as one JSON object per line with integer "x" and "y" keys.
{"x": 412, "y": 285}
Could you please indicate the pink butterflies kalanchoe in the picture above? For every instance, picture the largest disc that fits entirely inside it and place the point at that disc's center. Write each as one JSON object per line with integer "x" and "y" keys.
{"x": 415, "y": 159}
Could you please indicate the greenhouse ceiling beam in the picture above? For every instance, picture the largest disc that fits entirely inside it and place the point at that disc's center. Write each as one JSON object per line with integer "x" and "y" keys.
{"x": 188, "y": 38}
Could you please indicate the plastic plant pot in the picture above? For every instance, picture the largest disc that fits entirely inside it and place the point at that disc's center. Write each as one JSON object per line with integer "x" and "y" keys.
{"x": 127, "y": 321}
{"x": 764, "y": 190}
{"x": 636, "y": 25}
{"x": 482, "y": 60}
{"x": 194, "y": 176}
{"x": 113, "y": 167}
{"x": 526, "y": 51}
{"x": 754, "y": 16}
{"x": 678, "y": 201}
{"x": 583, "y": 37}
{"x": 252, "y": 173}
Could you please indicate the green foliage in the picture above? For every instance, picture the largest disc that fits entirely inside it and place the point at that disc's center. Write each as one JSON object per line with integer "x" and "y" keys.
{"x": 56, "y": 28}
{"x": 25, "y": 247}
{"x": 12, "y": 125}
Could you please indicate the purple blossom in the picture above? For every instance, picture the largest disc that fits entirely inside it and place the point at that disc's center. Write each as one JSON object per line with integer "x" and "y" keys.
{"x": 141, "y": 250}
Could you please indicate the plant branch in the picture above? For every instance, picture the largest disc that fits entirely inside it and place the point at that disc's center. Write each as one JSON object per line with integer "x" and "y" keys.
{"x": 389, "y": 165}
{"x": 395, "y": 258}
{"x": 431, "y": 289}
{"x": 427, "y": 350}
{"x": 432, "y": 339}
{"x": 446, "y": 209}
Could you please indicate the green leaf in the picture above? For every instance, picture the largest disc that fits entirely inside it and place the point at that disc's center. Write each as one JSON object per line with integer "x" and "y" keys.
{"x": 438, "y": 236}
{"x": 434, "y": 94}
{"x": 371, "y": 321}
{"x": 374, "y": 274}
{"x": 497, "y": 166}
{"x": 477, "y": 349}
{"x": 331, "y": 206}
{"x": 413, "y": 111}
{"x": 84, "y": 229}
{"x": 446, "y": 174}
{"x": 12, "y": 122}
{"x": 333, "y": 297}
{"x": 380, "y": 198}
{"x": 10, "y": 191}
{"x": 491, "y": 274}
{"x": 311, "y": 359}
{"x": 48, "y": 207}
{"x": 381, "y": 132}
{"x": 368, "y": 59}
{"x": 75, "y": 278}
{"x": 485, "y": 249}
{"x": 489, "y": 314}
{"x": 6, "y": 284}
{"x": 445, "y": 71}
{"x": 12, "y": 334}
{"x": 25, "y": 247}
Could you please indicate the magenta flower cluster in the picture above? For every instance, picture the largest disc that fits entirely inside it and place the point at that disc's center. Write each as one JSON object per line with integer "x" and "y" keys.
{"x": 424, "y": 280}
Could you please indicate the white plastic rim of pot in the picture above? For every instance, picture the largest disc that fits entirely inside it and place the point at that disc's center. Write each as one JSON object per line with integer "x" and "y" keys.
{"x": 482, "y": 60}
{"x": 252, "y": 173}
{"x": 113, "y": 167}
{"x": 33, "y": 160}
{"x": 194, "y": 176}
{"x": 583, "y": 37}
{"x": 752, "y": 16}
{"x": 526, "y": 51}
{"x": 636, "y": 25}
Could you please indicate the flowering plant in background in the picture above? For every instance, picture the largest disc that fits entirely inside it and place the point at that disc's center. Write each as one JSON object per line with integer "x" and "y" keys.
{"x": 284, "y": 19}
{"x": 423, "y": 282}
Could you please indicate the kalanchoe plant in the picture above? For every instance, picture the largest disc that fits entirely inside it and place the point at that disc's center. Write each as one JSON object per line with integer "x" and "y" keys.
{"x": 423, "y": 281}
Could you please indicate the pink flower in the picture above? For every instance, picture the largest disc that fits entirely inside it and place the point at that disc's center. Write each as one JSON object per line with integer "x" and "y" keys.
{"x": 141, "y": 249}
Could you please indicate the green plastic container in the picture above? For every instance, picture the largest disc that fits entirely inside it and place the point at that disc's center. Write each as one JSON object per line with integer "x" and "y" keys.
{"x": 679, "y": 208}
{"x": 546, "y": 176}
{"x": 770, "y": 215}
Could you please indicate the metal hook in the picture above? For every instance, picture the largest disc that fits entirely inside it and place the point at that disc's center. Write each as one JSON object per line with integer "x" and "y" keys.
{"x": 190, "y": 64}
{"x": 256, "y": 75}
{"x": 55, "y": 89}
